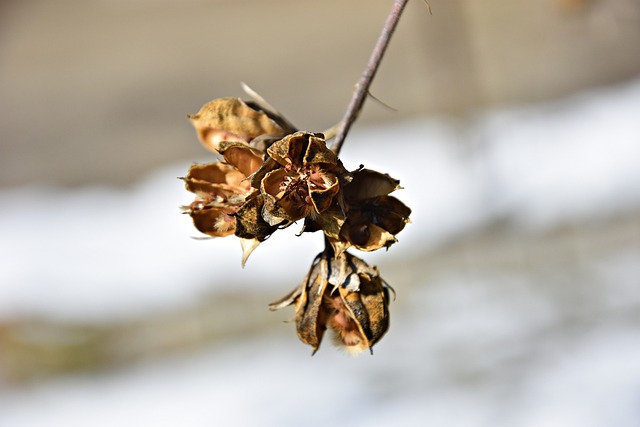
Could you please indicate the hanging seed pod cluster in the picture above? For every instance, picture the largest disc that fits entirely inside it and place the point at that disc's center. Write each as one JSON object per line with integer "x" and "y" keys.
{"x": 270, "y": 175}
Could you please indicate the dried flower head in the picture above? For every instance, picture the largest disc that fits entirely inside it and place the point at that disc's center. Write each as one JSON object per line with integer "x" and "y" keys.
{"x": 301, "y": 177}
{"x": 343, "y": 294}
{"x": 374, "y": 218}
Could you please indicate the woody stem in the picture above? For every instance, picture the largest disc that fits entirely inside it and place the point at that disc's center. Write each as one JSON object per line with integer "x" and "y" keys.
{"x": 362, "y": 87}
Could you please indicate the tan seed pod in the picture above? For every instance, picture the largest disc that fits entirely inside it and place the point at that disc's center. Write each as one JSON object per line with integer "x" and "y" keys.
{"x": 343, "y": 294}
{"x": 231, "y": 119}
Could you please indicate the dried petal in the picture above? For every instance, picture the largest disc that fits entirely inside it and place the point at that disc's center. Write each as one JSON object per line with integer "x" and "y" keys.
{"x": 317, "y": 151}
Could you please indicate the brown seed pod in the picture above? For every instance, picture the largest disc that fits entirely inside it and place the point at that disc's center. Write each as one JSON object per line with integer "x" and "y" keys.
{"x": 373, "y": 217}
{"x": 343, "y": 294}
{"x": 232, "y": 119}
{"x": 301, "y": 178}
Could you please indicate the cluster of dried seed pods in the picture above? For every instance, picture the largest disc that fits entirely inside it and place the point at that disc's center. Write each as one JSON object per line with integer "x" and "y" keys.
{"x": 271, "y": 175}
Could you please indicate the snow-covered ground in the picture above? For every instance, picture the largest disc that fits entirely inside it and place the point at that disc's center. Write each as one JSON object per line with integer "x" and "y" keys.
{"x": 480, "y": 348}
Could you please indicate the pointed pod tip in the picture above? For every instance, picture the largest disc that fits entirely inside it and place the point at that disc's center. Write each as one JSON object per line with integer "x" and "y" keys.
{"x": 248, "y": 246}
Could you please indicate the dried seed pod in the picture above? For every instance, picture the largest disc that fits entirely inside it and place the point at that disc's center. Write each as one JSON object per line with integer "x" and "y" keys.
{"x": 221, "y": 188}
{"x": 373, "y": 217}
{"x": 301, "y": 178}
{"x": 250, "y": 227}
{"x": 225, "y": 202}
{"x": 343, "y": 294}
{"x": 220, "y": 192}
{"x": 232, "y": 119}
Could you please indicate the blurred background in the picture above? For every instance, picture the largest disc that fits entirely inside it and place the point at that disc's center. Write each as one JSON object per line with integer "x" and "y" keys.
{"x": 514, "y": 132}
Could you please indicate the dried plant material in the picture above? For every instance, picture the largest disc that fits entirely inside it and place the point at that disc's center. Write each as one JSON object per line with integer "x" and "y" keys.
{"x": 373, "y": 218}
{"x": 220, "y": 192}
{"x": 302, "y": 179}
{"x": 270, "y": 175}
{"x": 262, "y": 104}
{"x": 250, "y": 227}
{"x": 225, "y": 202}
{"x": 344, "y": 294}
{"x": 367, "y": 184}
{"x": 231, "y": 119}
{"x": 248, "y": 246}
{"x": 221, "y": 188}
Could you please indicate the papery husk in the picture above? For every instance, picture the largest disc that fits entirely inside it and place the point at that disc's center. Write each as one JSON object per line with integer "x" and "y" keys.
{"x": 369, "y": 307}
{"x": 329, "y": 221}
{"x": 367, "y": 184}
{"x": 214, "y": 221}
{"x": 231, "y": 119}
{"x": 204, "y": 177}
{"x": 239, "y": 154}
{"x": 367, "y": 236}
{"x": 250, "y": 224}
{"x": 218, "y": 196}
{"x": 372, "y": 224}
{"x": 345, "y": 294}
{"x": 322, "y": 198}
{"x": 300, "y": 178}
{"x": 280, "y": 208}
{"x": 251, "y": 228}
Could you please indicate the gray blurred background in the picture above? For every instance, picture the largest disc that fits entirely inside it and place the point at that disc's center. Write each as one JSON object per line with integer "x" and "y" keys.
{"x": 94, "y": 95}
{"x": 99, "y": 91}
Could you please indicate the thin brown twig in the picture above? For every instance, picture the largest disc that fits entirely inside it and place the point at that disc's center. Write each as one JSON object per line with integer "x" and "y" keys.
{"x": 362, "y": 87}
